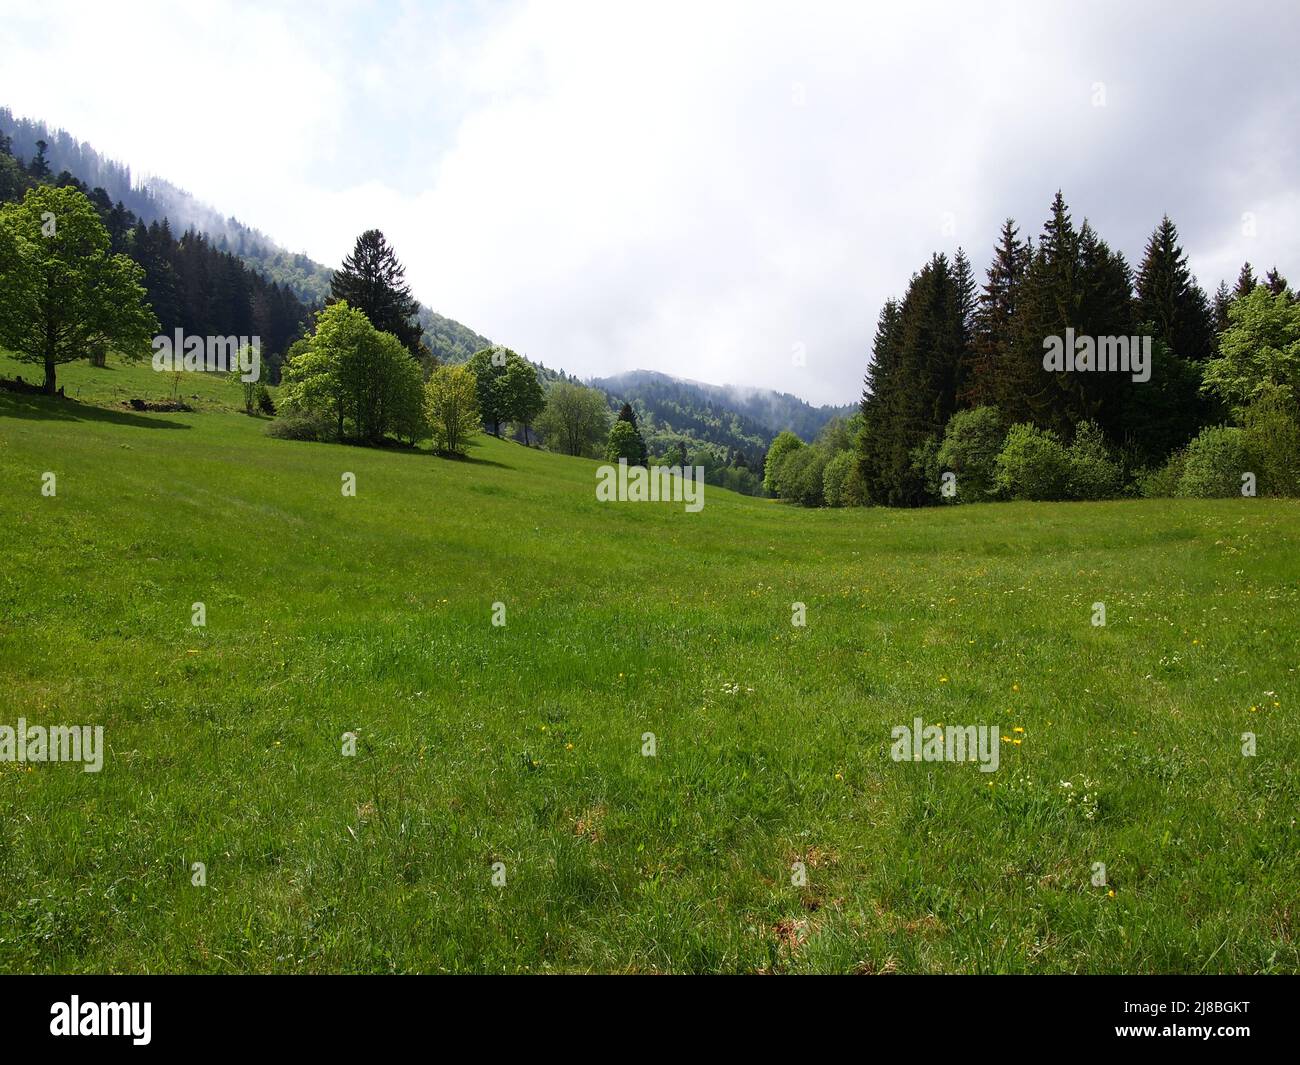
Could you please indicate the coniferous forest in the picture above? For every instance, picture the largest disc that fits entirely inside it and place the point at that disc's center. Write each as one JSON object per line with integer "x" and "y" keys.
{"x": 958, "y": 404}
{"x": 191, "y": 284}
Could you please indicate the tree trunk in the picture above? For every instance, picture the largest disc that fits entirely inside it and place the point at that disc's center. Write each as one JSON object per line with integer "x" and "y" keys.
{"x": 49, "y": 375}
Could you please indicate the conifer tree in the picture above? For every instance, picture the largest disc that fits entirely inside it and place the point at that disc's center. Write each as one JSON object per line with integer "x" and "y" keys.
{"x": 373, "y": 281}
{"x": 1219, "y": 310}
{"x": 1245, "y": 282}
{"x": 1051, "y": 300}
{"x": 994, "y": 311}
{"x": 1169, "y": 298}
{"x": 39, "y": 167}
{"x": 913, "y": 389}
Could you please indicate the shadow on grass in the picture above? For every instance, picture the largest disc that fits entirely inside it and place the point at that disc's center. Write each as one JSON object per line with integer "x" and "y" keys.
{"x": 389, "y": 447}
{"x": 52, "y": 408}
{"x": 467, "y": 460}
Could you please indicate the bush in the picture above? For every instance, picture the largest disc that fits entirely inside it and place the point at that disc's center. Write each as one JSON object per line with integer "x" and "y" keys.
{"x": 855, "y": 485}
{"x": 800, "y": 475}
{"x": 923, "y": 466}
{"x": 304, "y": 425}
{"x": 625, "y": 442}
{"x": 1033, "y": 464}
{"x": 784, "y": 444}
{"x": 1273, "y": 443}
{"x": 970, "y": 448}
{"x": 835, "y": 479}
{"x": 1093, "y": 475}
{"x": 1215, "y": 462}
{"x": 451, "y": 408}
{"x": 1162, "y": 483}
{"x": 265, "y": 403}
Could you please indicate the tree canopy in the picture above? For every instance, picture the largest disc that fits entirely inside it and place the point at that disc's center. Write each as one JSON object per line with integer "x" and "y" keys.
{"x": 66, "y": 294}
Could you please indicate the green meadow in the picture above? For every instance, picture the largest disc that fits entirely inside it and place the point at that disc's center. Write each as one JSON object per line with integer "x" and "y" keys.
{"x": 499, "y": 814}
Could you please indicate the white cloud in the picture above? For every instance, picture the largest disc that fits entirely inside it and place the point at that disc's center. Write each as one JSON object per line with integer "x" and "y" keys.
{"x": 693, "y": 188}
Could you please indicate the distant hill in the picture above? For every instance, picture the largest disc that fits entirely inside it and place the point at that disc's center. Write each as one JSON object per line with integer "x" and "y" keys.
{"x": 744, "y": 418}
{"x": 156, "y": 199}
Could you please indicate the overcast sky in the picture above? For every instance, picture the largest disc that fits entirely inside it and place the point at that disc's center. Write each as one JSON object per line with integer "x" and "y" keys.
{"x": 703, "y": 189}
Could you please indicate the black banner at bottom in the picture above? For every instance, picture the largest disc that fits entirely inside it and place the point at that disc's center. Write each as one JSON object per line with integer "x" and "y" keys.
{"x": 143, "y": 1014}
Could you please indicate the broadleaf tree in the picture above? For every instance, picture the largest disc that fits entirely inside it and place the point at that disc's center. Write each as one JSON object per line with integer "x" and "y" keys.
{"x": 65, "y": 294}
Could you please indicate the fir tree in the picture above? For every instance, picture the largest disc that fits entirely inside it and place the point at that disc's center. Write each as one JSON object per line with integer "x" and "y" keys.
{"x": 1245, "y": 282}
{"x": 1219, "y": 311}
{"x": 1169, "y": 298}
{"x": 993, "y": 314}
{"x": 374, "y": 282}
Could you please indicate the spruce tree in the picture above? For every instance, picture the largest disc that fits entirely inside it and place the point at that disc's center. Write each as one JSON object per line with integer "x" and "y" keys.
{"x": 1106, "y": 310}
{"x": 1219, "y": 312}
{"x": 912, "y": 384}
{"x": 1169, "y": 298}
{"x": 1051, "y": 300}
{"x": 39, "y": 167}
{"x": 374, "y": 282}
{"x": 994, "y": 311}
{"x": 1245, "y": 282}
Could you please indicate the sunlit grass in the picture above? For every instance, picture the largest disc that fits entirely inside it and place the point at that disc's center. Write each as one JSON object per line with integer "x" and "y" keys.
{"x": 522, "y": 744}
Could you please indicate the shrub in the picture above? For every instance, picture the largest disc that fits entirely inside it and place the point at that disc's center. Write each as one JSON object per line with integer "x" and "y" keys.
{"x": 855, "y": 485}
{"x": 1162, "y": 483}
{"x": 1215, "y": 462}
{"x": 304, "y": 425}
{"x": 835, "y": 479}
{"x": 451, "y": 408}
{"x": 264, "y": 401}
{"x": 625, "y": 442}
{"x": 1272, "y": 440}
{"x": 575, "y": 419}
{"x": 800, "y": 476}
{"x": 970, "y": 448}
{"x": 785, "y": 443}
{"x": 1093, "y": 475}
{"x": 923, "y": 466}
{"x": 1033, "y": 464}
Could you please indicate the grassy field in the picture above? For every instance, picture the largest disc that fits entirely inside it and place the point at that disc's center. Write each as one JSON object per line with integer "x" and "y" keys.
{"x": 522, "y": 744}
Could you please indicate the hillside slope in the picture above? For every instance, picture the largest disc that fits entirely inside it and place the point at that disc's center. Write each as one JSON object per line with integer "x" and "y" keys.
{"x": 156, "y": 199}
{"x": 737, "y": 415}
{"x": 519, "y": 750}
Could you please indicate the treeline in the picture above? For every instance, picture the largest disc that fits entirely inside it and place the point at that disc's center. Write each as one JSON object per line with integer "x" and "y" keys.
{"x": 959, "y": 402}
{"x": 190, "y": 284}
